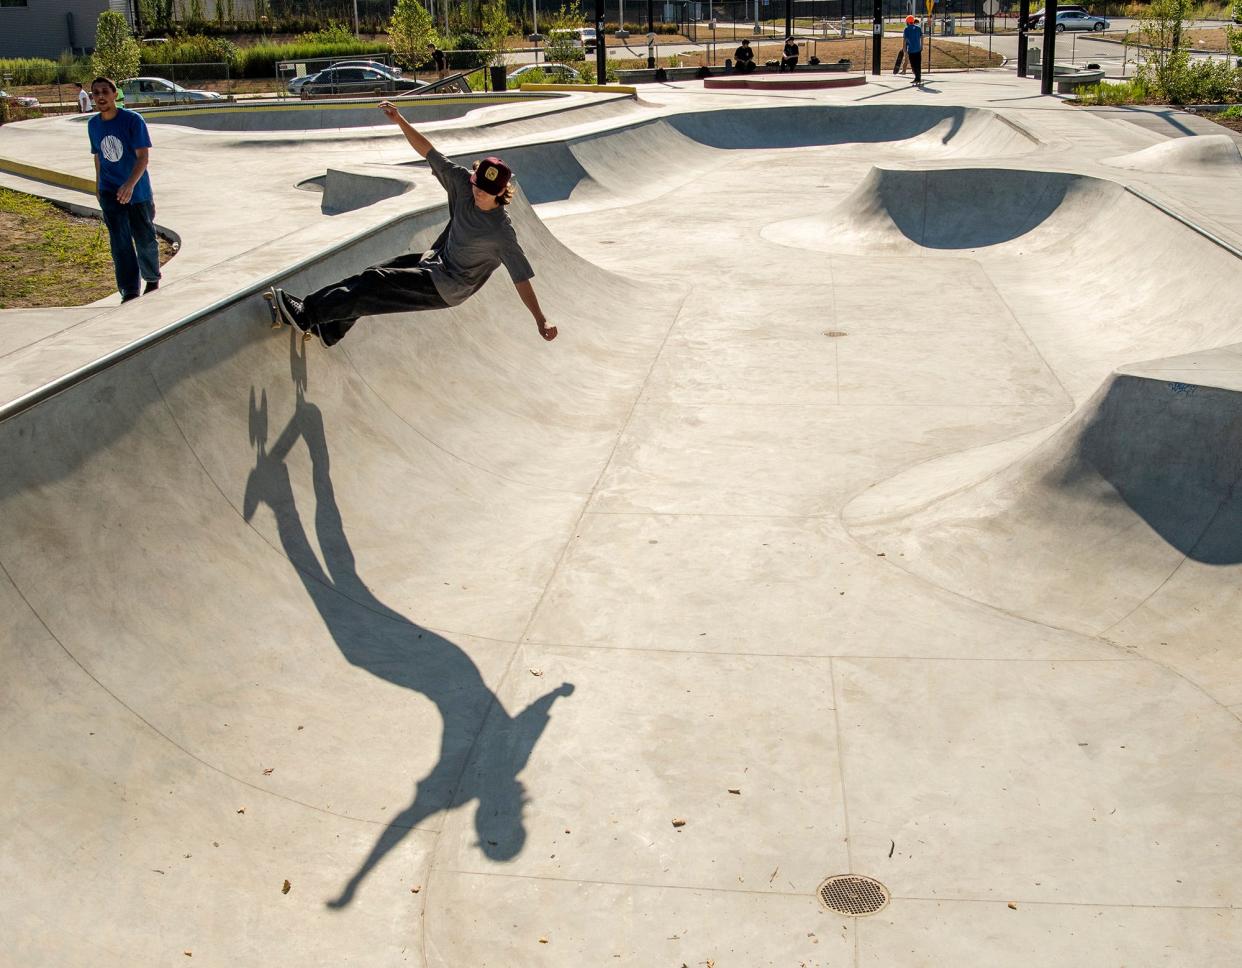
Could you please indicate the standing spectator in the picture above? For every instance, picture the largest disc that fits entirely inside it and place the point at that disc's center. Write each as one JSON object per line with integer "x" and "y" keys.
{"x": 744, "y": 58}
{"x": 789, "y": 56}
{"x": 84, "y": 99}
{"x": 438, "y": 61}
{"x": 912, "y": 44}
{"x": 121, "y": 146}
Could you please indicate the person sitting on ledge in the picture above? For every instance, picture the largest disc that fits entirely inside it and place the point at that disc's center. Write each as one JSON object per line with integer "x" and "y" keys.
{"x": 744, "y": 58}
{"x": 789, "y": 57}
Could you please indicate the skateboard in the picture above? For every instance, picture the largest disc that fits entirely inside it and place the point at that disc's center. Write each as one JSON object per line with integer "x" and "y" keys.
{"x": 280, "y": 318}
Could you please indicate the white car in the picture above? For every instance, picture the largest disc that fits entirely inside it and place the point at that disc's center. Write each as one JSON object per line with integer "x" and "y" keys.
{"x": 552, "y": 73}
{"x": 21, "y": 102}
{"x": 1076, "y": 20}
{"x": 162, "y": 92}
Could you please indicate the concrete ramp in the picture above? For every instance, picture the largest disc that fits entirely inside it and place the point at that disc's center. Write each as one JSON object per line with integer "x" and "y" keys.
{"x": 1212, "y": 155}
{"x": 311, "y": 531}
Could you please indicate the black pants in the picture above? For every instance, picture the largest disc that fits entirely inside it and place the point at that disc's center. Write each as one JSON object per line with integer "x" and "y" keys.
{"x": 916, "y": 64}
{"x": 789, "y": 63}
{"x": 744, "y": 67}
{"x": 400, "y": 286}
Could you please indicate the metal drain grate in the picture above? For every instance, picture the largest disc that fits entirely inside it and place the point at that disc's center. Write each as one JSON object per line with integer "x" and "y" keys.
{"x": 835, "y": 333}
{"x": 852, "y": 895}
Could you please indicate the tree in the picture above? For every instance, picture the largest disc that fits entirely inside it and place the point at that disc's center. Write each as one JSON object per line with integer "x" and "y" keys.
{"x": 560, "y": 47}
{"x": 410, "y": 31}
{"x": 496, "y": 28}
{"x": 116, "y": 52}
{"x": 1160, "y": 30}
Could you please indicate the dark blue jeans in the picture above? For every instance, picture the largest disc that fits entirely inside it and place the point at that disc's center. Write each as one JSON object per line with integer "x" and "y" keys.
{"x": 135, "y": 249}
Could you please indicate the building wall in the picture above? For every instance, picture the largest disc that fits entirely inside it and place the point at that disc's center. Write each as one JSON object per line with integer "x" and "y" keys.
{"x": 40, "y": 29}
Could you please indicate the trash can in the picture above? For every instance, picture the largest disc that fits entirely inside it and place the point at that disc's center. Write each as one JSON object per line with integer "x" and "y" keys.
{"x": 500, "y": 80}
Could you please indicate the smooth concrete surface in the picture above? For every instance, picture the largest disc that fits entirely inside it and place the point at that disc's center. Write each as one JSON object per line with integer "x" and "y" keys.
{"x": 873, "y": 512}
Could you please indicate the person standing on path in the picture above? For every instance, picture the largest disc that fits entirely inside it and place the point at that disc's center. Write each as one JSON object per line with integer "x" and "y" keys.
{"x": 478, "y": 239}
{"x": 84, "y": 99}
{"x": 439, "y": 61}
{"x": 121, "y": 146}
{"x": 912, "y": 44}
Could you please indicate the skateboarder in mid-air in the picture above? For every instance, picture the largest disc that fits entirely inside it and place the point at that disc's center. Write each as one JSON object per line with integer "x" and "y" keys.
{"x": 478, "y": 238}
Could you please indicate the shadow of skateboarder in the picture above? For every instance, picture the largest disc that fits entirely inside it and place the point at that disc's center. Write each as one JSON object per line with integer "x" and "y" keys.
{"x": 483, "y": 749}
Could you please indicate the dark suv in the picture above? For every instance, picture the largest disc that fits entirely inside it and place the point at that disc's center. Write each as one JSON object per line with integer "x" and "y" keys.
{"x": 359, "y": 81}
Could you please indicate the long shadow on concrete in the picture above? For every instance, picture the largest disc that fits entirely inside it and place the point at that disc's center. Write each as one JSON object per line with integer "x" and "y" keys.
{"x": 385, "y": 643}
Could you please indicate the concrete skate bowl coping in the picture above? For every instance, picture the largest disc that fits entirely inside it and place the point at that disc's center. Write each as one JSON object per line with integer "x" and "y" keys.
{"x": 297, "y": 115}
{"x": 649, "y": 158}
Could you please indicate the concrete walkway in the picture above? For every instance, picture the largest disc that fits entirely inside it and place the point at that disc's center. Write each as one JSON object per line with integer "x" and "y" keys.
{"x": 874, "y": 513}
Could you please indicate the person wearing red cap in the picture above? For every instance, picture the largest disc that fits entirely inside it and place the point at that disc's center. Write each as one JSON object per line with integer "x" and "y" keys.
{"x": 479, "y": 238}
{"x": 912, "y": 44}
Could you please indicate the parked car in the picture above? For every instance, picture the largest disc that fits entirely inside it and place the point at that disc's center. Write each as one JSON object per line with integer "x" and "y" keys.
{"x": 583, "y": 38}
{"x": 553, "y": 73}
{"x": 1077, "y": 20}
{"x": 163, "y": 92}
{"x": 21, "y": 102}
{"x": 358, "y": 81}
{"x": 1037, "y": 18}
{"x": 296, "y": 84}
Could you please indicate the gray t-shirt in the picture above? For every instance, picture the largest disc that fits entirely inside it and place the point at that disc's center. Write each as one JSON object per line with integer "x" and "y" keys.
{"x": 474, "y": 243}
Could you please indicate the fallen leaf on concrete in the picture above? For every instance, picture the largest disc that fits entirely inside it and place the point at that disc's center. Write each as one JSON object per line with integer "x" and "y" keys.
{"x": 775, "y": 871}
{"x": 678, "y": 822}
{"x": 188, "y": 954}
{"x": 241, "y": 809}
{"x": 284, "y": 888}
{"x": 543, "y": 940}
{"x": 416, "y": 888}
{"x": 1012, "y": 906}
{"x": 736, "y": 791}
{"x": 268, "y": 771}
{"x": 536, "y": 672}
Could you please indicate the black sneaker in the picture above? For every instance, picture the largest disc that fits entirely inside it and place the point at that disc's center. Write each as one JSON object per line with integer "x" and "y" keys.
{"x": 153, "y": 285}
{"x": 291, "y": 310}
{"x": 128, "y": 296}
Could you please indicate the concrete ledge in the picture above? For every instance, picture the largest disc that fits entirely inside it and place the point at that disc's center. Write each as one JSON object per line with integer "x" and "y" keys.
{"x": 74, "y": 182}
{"x": 576, "y": 88}
{"x": 783, "y": 82}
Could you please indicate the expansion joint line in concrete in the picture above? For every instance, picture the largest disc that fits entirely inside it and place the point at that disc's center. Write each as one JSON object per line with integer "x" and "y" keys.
{"x": 156, "y": 731}
{"x": 524, "y": 638}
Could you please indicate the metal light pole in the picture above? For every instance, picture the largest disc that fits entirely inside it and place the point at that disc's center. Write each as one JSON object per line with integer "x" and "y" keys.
{"x": 1024, "y": 14}
{"x": 355, "y": 18}
{"x": 1050, "y": 46}
{"x": 877, "y": 34}
{"x": 788, "y": 18}
{"x": 601, "y": 41}
{"x": 650, "y": 34}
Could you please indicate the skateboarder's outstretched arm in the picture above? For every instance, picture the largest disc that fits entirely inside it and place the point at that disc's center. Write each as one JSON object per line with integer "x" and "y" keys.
{"x": 527, "y": 293}
{"x": 416, "y": 140}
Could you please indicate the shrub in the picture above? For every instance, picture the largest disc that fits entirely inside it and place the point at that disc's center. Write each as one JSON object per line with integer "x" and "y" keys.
{"x": 335, "y": 33}
{"x": 409, "y": 32}
{"x": 260, "y": 60}
{"x": 196, "y": 49}
{"x": 116, "y": 52}
{"x": 29, "y": 70}
{"x": 467, "y": 52}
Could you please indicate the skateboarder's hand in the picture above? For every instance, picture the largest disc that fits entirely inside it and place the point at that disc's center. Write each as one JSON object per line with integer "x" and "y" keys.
{"x": 390, "y": 110}
{"x": 547, "y": 332}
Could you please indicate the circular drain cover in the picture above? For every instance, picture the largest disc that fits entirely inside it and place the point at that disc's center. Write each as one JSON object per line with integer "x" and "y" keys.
{"x": 853, "y": 895}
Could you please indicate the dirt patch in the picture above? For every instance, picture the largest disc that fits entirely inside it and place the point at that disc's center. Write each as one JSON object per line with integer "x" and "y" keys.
{"x": 1233, "y": 124}
{"x": 49, "y": 257}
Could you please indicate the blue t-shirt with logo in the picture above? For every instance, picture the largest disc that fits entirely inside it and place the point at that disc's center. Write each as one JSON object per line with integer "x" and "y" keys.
{"x": 913, "y": 35}
{"x": 116, "y": 143}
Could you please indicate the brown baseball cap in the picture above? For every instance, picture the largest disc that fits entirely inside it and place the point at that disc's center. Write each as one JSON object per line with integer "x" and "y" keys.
{"x": 492, "y": 176}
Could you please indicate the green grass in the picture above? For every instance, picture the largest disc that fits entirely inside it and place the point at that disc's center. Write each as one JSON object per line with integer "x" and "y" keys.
{"x": 1232, "y": 112}
{"x": 51, "y": 258}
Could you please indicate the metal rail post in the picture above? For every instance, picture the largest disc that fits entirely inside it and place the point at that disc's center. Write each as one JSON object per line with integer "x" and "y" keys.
{"x": 1050, "y": 46}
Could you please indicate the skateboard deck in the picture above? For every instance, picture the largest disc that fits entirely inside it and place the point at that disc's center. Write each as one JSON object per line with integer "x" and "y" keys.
{"x": 279, "y": 319}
